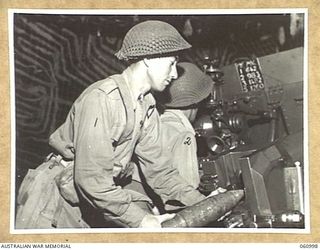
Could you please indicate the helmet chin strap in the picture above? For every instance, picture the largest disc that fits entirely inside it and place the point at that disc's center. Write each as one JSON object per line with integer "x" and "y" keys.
{"x": 144, "y": 61}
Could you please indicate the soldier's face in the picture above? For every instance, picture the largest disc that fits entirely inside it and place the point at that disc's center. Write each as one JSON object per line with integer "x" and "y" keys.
{"x": 161, "y": 71}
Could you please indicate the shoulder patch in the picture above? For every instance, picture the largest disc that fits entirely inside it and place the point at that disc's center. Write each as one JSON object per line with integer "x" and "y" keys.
{"x": 187, "y": 141}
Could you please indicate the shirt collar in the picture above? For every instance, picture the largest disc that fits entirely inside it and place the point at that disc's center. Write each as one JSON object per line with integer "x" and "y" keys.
{"x": 182, "y": 118}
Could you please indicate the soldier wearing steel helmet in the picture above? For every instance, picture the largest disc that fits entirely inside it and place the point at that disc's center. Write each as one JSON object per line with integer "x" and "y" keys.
{"x": 115, "y": 118}
{"x": 180, "y": 102}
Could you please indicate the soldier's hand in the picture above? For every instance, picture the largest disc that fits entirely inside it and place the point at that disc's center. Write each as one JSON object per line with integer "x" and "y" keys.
{"x": 219, "y": 190}
{"x": 154, "y": 221}
{"x": 68, "y": 151}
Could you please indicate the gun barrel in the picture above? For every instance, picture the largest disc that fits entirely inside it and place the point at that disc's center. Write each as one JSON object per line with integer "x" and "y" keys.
{"x": 205, "y": 211}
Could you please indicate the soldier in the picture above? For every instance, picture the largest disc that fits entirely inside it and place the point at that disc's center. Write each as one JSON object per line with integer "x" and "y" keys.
{"x": 116, "y": 117}
{"x": 181, "y": 101}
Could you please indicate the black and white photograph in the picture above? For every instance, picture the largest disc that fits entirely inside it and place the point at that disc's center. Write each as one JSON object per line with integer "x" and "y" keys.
{"x": 159, "y": 121}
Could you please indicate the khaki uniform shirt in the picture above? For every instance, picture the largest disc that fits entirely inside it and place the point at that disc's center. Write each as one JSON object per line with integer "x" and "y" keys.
{"x": 178, "y": 137}
{"x": 106, "y": 127}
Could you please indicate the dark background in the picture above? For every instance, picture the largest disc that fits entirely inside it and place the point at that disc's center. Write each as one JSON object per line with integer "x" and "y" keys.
{"x": 58, "y": 56}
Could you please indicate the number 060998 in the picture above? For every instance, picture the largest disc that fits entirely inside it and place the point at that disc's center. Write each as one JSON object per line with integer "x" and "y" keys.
{"x": 310, "y": 245}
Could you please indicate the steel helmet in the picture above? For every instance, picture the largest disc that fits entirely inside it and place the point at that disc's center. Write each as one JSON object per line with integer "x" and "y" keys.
{"x": 151, "y": 38}
{"x": 191, "y": 87}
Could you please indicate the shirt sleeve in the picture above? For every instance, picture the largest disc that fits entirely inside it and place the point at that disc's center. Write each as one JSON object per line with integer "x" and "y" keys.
{"x": 157, "y": 166}
{"x": 184, "y": 155}
{"x": 94, "y": 162}
{"x": 63, "y": 136}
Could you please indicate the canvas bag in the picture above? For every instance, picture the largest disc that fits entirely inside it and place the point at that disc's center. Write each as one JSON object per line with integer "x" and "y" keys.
{"x": 39, "y": 203}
